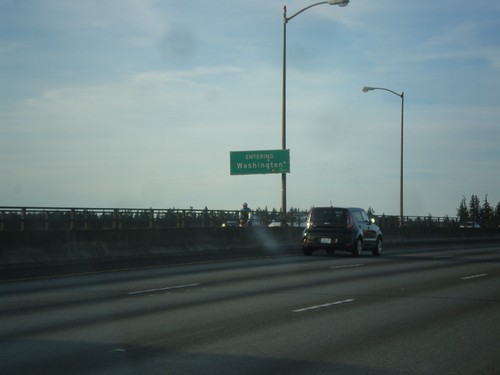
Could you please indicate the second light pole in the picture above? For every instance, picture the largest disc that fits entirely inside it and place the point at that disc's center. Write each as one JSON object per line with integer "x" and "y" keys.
{"x": 341, "y": 3}
{"x": 402, "y": 96}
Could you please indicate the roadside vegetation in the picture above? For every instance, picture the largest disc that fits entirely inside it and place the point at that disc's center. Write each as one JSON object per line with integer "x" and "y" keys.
{"x": 482, "y": 214}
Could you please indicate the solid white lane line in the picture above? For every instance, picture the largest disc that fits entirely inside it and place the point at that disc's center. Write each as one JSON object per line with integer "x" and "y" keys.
{"x": 474, "y": 276}
{"x": 162, "y": 289}
{"x": 322, "y": 306}
{"x": 346, "y": 266}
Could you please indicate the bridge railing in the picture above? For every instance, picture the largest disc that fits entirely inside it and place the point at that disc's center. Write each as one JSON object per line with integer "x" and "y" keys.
{"x": 393, "y": 221}
{"x": 61, "y": 218}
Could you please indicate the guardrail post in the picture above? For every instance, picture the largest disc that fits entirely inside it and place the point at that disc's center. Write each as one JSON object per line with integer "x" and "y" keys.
{"x": 23, "y": 218}
{"x": 85, "y": 220}
{"x": 181, "y": 219}
{"x": 72, "y": 219}
{"x": 2, "y": 219}
{"x": 151, "y": 218}
{"x": 46, "y": 224}
{"x": 115, "y": 219}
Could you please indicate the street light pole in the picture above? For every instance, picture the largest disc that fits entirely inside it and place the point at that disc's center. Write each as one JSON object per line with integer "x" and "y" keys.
{"x": 341, "y": 3}
{"x": 402, "y": 96}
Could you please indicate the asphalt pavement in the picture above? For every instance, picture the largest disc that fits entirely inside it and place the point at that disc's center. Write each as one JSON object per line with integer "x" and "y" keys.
{"x": 418, "y": 310}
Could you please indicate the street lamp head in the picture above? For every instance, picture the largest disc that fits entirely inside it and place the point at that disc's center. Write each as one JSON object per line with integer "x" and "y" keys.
{"x": 341, "y": 3}
{"x": 366, "y": 89}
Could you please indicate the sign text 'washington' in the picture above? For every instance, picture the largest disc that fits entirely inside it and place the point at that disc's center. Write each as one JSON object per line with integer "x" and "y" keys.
{"x": 260, "y": 162}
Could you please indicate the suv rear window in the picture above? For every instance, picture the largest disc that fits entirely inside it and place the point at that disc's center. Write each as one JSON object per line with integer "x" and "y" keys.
{"x": 329, "y": 215}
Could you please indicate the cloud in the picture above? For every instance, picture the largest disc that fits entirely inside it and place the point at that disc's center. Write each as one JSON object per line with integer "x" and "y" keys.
{"x": 179, "y": 43}
{"x": 139, "y": 102}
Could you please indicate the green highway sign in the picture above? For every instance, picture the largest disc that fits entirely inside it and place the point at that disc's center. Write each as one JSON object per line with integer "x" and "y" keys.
{"x": 260, "y": 162}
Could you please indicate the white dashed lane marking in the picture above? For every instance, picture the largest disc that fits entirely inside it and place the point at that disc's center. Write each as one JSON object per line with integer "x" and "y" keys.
{"x": 162, "y": 289}
{"x": 323, "y": 306}
{"x": 346, "y": 266}
{"x": 474, "y": 276}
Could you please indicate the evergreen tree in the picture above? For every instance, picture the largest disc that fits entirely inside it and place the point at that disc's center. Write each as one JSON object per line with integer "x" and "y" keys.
{"x": 462, "y": 211}
{"x": 486, "y": 211}
{"x": 474, "y": 209}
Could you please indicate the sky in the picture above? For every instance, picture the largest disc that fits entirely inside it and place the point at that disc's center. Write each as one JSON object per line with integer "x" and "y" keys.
{"x": 138, "y": 103}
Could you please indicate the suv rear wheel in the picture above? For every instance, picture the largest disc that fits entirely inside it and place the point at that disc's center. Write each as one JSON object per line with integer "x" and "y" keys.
{"x": 377, "y": 250}
{"x": 357, "y": 248}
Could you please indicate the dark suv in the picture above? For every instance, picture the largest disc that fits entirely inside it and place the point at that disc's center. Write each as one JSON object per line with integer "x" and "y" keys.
{"x": 335, "y": 228}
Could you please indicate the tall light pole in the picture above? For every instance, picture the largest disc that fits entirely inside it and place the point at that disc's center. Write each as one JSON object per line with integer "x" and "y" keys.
{"x": 341, "y": 3}
{"x": 402, "y": 96}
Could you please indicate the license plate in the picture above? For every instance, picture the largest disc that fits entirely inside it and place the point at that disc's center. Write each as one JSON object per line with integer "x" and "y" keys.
{"x": 326, "y": 241}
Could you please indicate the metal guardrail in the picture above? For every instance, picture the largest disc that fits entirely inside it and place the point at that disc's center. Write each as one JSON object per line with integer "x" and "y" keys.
{"x": 61, "y": 218}
{"x": 392, "y": 221}
{"x": 57, "y": 218}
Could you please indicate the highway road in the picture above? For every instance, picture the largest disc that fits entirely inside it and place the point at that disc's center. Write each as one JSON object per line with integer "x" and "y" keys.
{"x": 415, "y": 310}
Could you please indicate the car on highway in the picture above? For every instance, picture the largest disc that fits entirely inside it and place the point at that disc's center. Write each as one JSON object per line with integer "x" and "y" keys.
{"x": 470, "y": 224}
{"x": 231, "y": 222}
{"x": 338, "y": 228}
{"x": 297, "y": 221}
{"x": 276, "y": 223}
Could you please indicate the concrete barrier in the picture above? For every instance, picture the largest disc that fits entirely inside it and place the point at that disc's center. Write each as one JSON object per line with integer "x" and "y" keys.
{"x": 45, "y": 247}
{"x": 33, "y": 248}
{"x": 423, "y": 235}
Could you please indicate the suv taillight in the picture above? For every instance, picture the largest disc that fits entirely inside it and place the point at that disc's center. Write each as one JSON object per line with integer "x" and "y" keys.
{"x": 349, "y": 220}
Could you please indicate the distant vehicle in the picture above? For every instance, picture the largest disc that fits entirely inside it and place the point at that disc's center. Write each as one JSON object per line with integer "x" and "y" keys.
{"x": 276, "y": 223}
{"x": 296, "y": 222}
{"x": 470, "y": 224}
{"x": 346, "y": 229}
{"x": 232, "y": 221}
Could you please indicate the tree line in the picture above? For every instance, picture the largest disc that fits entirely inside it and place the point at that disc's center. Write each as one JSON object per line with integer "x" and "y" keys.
{"x": 481, "y": 213}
